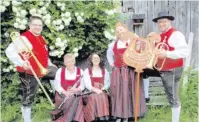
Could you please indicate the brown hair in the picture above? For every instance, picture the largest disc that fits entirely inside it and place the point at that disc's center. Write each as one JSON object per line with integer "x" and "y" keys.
{"x": 89, "y": 61}
{"x": 34, "y": 17}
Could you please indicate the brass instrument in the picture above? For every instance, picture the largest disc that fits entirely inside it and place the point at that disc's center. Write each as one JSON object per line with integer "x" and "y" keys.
{"x": 43, "y": 70}
{"x": 154, "y": 57}
{"x": 14, "y": 36}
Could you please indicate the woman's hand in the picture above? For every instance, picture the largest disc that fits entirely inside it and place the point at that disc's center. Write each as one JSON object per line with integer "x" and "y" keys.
{"x": 74, "y": 90}
{"x": 67, "y": 93}
{"x": 96, "y": 90}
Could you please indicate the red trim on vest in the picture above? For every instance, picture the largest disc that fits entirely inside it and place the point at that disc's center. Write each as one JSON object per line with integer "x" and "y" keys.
{"x": 39, "y": 49}
{"x": 96, "y": 79}
{"x": 118, "y": 55}
{"x": 169, "y": 63}
{"x": 67, "y": 83}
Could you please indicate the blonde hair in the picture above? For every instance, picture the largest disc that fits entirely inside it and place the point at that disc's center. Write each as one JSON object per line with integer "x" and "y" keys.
{"x": 69, "y": 56}
{"x": 128, "y": 34}
{"x": 120, "y": 24}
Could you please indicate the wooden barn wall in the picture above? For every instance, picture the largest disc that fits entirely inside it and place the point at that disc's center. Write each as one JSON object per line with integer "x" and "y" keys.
{"x": 186, "y": 15}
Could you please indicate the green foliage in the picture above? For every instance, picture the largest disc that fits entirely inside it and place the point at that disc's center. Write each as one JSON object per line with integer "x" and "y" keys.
{"x": 41, "y": 112}
{"x": 10, "y": 97}
{"x": 11, "y": 112}
{"x": 189, "y": 96}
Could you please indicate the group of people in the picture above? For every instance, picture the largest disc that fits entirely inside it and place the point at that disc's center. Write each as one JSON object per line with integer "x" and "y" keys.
{"x": 72, "y": 82}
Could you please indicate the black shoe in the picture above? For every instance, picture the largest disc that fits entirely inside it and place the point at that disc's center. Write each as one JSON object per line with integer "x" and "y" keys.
{"x": 147, "y": 100}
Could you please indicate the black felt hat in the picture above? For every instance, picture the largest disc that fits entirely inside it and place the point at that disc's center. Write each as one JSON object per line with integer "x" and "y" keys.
{"x": 162, "y": 15}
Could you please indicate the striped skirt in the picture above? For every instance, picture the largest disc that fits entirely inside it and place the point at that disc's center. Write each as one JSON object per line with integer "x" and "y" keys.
{"x": 122, "y": 91}
{"x": 96, "y": 106}
{"x": 73, "y": 109}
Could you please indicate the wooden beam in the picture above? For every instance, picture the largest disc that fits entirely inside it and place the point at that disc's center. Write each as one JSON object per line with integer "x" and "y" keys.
{"x": 188, "y": 59}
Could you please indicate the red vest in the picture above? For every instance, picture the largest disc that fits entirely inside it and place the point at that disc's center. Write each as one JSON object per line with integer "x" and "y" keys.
{"x": 118, "y": 55}
{"x": 97, "y": 81}
{"x": 40, "y": 50}
{"x": 169, "y": 63}
{"x": 69, "y": 83}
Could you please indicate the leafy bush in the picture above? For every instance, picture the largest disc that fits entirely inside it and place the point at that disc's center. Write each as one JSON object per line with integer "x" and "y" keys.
{"x": 189, "y": 97}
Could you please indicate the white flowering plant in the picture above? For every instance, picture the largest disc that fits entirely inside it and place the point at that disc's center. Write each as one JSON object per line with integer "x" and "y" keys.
{"x": 78, "y": 27}
{"x": 67, "y": 24}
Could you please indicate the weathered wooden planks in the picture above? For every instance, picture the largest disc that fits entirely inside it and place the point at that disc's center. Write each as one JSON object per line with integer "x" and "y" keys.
{"x": 186, "y": 15}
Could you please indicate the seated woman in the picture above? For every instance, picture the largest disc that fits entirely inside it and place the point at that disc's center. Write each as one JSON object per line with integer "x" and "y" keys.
{"x": 96, "y": 79}
{"x": 68, "y": 81}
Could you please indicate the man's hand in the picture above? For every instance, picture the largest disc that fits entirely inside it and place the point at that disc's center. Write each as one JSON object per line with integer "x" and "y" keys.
{"x": 154, "y": 36}
{"x": 26, "y": 65}
{"x": 26, "y": 55}
{"x": 162, "y": 54}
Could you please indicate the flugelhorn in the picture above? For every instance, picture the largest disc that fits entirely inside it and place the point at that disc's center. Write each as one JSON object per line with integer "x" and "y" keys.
{"x": 14, "y": 36}
{"x": 154, "y": 57}
{"x": 43, "y": 70}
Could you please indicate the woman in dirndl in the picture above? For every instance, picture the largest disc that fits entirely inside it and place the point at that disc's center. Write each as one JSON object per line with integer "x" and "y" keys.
{"x": 68, "y": 82}
{"x": 123, "y": 80}
{"x": 97, "y": 80}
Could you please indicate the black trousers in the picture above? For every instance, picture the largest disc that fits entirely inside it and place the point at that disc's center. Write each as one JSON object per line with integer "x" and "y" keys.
{"x": 29, "y": 85}
{"x": 148, "y": 72}
{"x": 170, "y": 81}
{"x": 171, "y": 85}
{"x": 151, "y": 73}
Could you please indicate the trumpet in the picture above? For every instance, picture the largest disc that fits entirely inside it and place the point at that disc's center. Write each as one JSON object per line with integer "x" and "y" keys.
{"x": 44, "y": 71}
{"x": 154, "y": 58}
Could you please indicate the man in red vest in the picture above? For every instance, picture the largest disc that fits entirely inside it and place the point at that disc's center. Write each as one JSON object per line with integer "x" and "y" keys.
{"x": 32, "y": 39}
{"x": 173, "y": 67}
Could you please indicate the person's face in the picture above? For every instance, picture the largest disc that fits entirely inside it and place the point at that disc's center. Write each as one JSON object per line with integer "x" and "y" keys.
{"x": 69, "y": 63}
{"x": 120, "y": 30}
{"x": 95, "y": 60}
{"x": 163, "y": 24}
{"x": 36, "y": 26}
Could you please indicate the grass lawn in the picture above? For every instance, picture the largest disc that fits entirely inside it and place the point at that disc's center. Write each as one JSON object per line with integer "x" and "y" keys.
{"x": 163, "y": 114}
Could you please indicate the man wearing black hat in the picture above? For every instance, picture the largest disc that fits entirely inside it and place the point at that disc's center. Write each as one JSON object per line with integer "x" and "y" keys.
{"x": 173, "y": 66}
